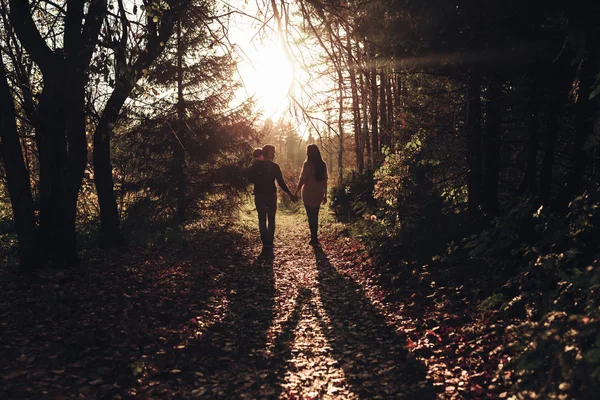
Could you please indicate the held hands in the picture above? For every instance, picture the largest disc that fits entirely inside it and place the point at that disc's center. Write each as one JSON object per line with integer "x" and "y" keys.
{"x": 293, "y": 197}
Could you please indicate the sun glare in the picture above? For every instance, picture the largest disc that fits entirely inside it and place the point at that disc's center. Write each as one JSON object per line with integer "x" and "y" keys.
{"x": 271, "y": 78}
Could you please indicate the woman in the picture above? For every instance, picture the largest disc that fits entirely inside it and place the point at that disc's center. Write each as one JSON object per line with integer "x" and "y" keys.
{"x": 313, "y": 184}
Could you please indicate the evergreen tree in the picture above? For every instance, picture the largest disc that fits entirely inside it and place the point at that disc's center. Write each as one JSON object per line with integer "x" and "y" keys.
{"x": 189, "y": 144}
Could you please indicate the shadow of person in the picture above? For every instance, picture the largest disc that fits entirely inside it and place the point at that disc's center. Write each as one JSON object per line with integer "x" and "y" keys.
{"x": 238, "y": 357}
{"x": 369, "y": 351}
{"x": 281, "y": 348}
{"x": 255, "y": 367}
{"x": 230, "y": 358}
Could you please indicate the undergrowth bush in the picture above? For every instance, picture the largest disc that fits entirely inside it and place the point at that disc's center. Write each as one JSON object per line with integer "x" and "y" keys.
{"x": 398, "y": 210}
{"x": 551, "y": 265}
{"x": 354, "y": 197}
{"x": 539, "y": 270}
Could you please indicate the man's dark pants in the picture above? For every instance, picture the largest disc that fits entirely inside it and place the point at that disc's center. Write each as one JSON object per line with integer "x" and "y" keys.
{"x": 266, "y": 206}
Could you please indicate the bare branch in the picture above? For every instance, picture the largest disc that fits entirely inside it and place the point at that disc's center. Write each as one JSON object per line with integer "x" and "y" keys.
{"x": 30, "y": 37}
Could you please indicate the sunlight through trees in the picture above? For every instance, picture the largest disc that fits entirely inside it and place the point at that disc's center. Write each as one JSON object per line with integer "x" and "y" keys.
{"x": 461, "y": 139}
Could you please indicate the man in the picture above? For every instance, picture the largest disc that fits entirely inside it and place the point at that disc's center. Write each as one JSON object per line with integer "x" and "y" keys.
{"x": 264, "y": 174}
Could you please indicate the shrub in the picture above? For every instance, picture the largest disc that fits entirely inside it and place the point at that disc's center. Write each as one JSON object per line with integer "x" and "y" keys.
{"x": 551, "y": 266}
{"x": 354, "y": 197}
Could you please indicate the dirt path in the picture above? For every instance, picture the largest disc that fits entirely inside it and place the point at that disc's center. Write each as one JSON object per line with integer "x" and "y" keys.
{"x": 206, "y": 316}
{"x": 298, "y": 328}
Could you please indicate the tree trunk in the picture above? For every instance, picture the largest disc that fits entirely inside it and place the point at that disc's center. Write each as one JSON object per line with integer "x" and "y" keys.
{"x": 341, "y": 130}
{"x": 54, "y": 234}
{"x": 76, "y": 159}
{"x": 397, "y": 90}
{"x": 528, "y": 184}
{"x": 55, "y": 237}
{"x": 365, "y": 130}
{"x": 390, "y": 111}
{"x": 558, "y": 97}
{"x": 374, "y": 113}
{"x": 360, "y": 162}
{"x": 383, "y": 109}
{"x": 398, "y": 124}
{"x": 365, "y": 142}
{"x": 17, "y": 178}
{"x": 491, "y": 144}
{"x": 60, "y": 120}
{"x": 585, "y": 112}
{"x": 474, "y": 173}
{"x": 110, "y": 231}
{"x": 178, "y": 148}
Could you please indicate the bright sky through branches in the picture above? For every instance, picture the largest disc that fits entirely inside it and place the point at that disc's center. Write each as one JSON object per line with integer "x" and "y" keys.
{"x": 294, "y": 84}
{"x": 265, "y": 70}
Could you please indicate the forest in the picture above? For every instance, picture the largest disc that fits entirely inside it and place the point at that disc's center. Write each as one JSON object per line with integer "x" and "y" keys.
{"x": 458, "y": 254}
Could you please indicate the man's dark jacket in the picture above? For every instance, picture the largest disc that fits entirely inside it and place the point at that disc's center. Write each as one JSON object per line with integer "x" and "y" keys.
{"x": 264, "y": 173}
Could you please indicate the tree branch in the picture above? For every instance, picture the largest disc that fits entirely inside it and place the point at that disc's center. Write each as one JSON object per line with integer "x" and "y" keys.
{"x": 73, "y": 20}
{"x": 30, "y": 37}
{"x": 91, "y": 30}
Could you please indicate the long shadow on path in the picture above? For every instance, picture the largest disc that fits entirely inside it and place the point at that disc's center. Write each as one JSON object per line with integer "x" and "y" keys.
{"x": 369, "y": 351}
{"x": 229, "y": 359}
{"x": 239, "y": 357}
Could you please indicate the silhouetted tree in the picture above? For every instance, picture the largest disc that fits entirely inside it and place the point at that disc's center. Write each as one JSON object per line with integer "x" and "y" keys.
{"x": 17, "y": 177}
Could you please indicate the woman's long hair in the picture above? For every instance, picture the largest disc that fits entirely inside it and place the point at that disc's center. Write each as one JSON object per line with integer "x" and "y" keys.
{"x": 313, "y": 155}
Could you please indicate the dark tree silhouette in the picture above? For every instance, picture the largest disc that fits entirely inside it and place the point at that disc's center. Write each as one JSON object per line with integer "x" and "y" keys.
{"x": 131, "y": 64}
{"x": 60, "y": 121}
{"x": 59, "y": 106}
{"x": 17, "y": 177}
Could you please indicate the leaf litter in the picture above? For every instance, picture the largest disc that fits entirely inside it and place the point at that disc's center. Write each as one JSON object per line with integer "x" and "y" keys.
{"x": 210, "y": 317}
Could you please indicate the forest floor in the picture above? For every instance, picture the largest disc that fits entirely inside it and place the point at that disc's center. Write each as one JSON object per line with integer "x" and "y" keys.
{"x": 206, "y": 315}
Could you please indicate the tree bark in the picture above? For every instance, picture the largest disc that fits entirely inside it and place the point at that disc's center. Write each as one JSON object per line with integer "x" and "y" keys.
{"x": 110, "y": 230}
{"x": 399, "y": 111}
{"x": 178, "y": 149}
{"x": 390, "y": 111}
{"x": 76, "y": 159}
{"x": 383, "y": 109}
{"x": 340, "y": 121}
{"x": 60, "y": 119}
{"x": 374, "y": 113}
{"x": 360, "y": 162}
{"x": 585, "y": 112}
{"x": 558, "y": 97}
{"x": 365, "y": 142}
{"x": 528, "y": 184}
{"x": 53, "y": 169}
{"x": 50, "y": 134}
{"x": 365, "y": 120}
{"x": 474, "y": 174}
{"x": 80, "y": 40}
{"x": 17, "y": 178}
{"x": 492, "y": 140}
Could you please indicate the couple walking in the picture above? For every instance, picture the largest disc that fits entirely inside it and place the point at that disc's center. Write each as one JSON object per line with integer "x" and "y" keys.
{"x": 312, "y": 186}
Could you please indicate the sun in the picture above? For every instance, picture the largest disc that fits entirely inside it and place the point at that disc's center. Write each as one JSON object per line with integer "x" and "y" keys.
{"x": 270, "y": 78}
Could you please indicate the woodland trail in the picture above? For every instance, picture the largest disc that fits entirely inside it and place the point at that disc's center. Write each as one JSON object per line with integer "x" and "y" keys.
{"x": 299, "y": 329}
{"x": 206, "y": 318}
